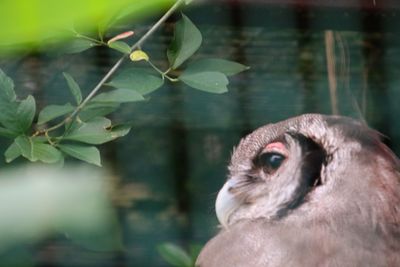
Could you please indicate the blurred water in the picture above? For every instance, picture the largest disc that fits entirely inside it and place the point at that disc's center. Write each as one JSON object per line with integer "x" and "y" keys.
{"x": 166, "y": 173}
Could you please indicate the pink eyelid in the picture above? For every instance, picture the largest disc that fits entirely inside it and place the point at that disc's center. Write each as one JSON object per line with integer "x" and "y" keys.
{"x": 278, "y": 147}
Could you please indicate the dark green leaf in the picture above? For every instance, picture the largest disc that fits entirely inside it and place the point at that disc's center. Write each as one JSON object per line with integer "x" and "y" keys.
{"x": 8, "y": 104}
{"x": 194, "y": 250}
{"x": 74, "y": 87}
{"x": 77, "y": 46}
{"x": 94, "y": 105}
{"x": 174, "y": 255}
{"x": 39, "y": 139}
{"x": 118, "y": 96}
{"x": 26, "y": 147}
{"x": 37, "y": 151}
{"x": 46, "y": 153}
{"x": 212, "y": 82}
{"x": 120, "y": 130}
{"x": 7, "y": 92}
{"x": 7, "y": 116}
{"x": 25, "y": 113}
{"x": 96, "y": 131}
{"x": 7, "y": 133}
{"x": 187, "y": 39}
{"x": 12, "y": 152}
{"x": 89, "y": 154}
{"x": 120, "y": 46}
{"x": 97, "y": 109}
{"x": 139, "y": 80}
{"x": 54, "y": 111}
{"x": 60, "y": 163}
{"x": 216, "y": 64}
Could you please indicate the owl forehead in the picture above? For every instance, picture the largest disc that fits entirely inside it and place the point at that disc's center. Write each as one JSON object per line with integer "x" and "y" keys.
{"x": 332, "y": 133}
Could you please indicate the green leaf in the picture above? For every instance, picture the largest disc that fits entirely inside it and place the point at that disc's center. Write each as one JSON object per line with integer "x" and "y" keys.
{"x": 60, "y": 163}
{"x": 139, "y": 55}
{"x": 118, "y": 96}
{"x": 26, "y": 147}
{"x": 7, "y": 133}
{"x": 139, "y": 80}
{"x": 96, "y": 131}
{"x": 212, "y": 82}
{"x": 187, "y": 39}
{"x": 46, "y": 153}
{"x": 25, "y": 114}
{"x": 7, "y": 92}
{"x": 226, "y": 67}
{"x": 174, "y": 255}
{"x": 194, "y": 251}
{"x": 39, "y": 139}
{"x": 97, "y": 109}
{"x": 37, "y": 151}
{"x": 77, "y": 46}
{"x": 120, "y": 130}
{"x": 54, "y": 111}
{"x": 8, "y": 104}
{"x": 120, "y": 46}
{"x": 89, "y": 154}
{"x": 7, "y": 116}
{"x": 74, "y": 87}
{"x": 187, "y": 2}
{"x": 12, "y": 152}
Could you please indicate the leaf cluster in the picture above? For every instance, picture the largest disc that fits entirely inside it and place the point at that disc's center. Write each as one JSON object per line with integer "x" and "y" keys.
{"x": 76, "y": 139}
{"x": 75, "y": 128}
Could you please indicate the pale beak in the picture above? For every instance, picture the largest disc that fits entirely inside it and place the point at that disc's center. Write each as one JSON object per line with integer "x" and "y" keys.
{"x": 226, "y": 203}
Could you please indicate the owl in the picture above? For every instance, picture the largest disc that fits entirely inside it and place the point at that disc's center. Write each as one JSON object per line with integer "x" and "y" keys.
{"x": 313, "y": 190}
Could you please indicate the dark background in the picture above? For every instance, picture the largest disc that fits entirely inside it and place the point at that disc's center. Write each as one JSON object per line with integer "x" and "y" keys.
{"x": 168, "y": 170}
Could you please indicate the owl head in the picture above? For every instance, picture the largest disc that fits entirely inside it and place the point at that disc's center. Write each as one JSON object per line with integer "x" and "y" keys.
{"x": 311, "y": 166}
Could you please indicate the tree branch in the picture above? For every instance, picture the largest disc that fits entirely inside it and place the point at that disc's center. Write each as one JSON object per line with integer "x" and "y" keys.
{"x": 115, "y": 67}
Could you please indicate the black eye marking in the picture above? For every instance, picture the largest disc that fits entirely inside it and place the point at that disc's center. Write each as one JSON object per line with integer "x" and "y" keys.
{"x": 271, "y": 161}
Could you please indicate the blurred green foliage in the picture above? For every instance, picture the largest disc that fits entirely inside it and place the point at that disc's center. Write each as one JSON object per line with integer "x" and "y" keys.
{"x": 33, "y": 21}
{"x": 37, "y": 202}
{"x": 177, "y": 256}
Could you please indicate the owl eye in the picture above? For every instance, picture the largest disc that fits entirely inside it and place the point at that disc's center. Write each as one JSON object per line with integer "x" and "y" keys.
{"x": 271, "y": 161}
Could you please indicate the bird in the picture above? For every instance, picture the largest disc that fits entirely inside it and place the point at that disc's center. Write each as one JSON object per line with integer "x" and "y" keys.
{"x": 312, "y": 190}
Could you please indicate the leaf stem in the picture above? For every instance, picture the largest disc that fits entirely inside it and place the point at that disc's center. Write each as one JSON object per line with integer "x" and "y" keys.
{"x": 174, "y": 80}
{"x": 49, "y": 138}
{"x": 100, "y": 35}
{"x": 156, "y": 68}
{"x": 164, "y": 74}
{"x": 78, "y": 35}
{"x": 116, "y": 66}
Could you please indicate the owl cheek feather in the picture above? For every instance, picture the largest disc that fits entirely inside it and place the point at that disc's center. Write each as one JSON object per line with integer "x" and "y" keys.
{"x": 278, "y": 181}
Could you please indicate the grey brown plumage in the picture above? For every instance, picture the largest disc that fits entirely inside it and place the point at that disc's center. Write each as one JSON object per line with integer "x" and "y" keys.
{"x": 334, "y": 200}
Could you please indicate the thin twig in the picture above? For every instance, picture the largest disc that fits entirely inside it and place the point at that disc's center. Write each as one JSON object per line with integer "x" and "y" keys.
{"x": 115, "y": 67}
{"x": 330, "y": 58}
{"x": 345, "y": 76}
{"x": 365, "y": 74}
